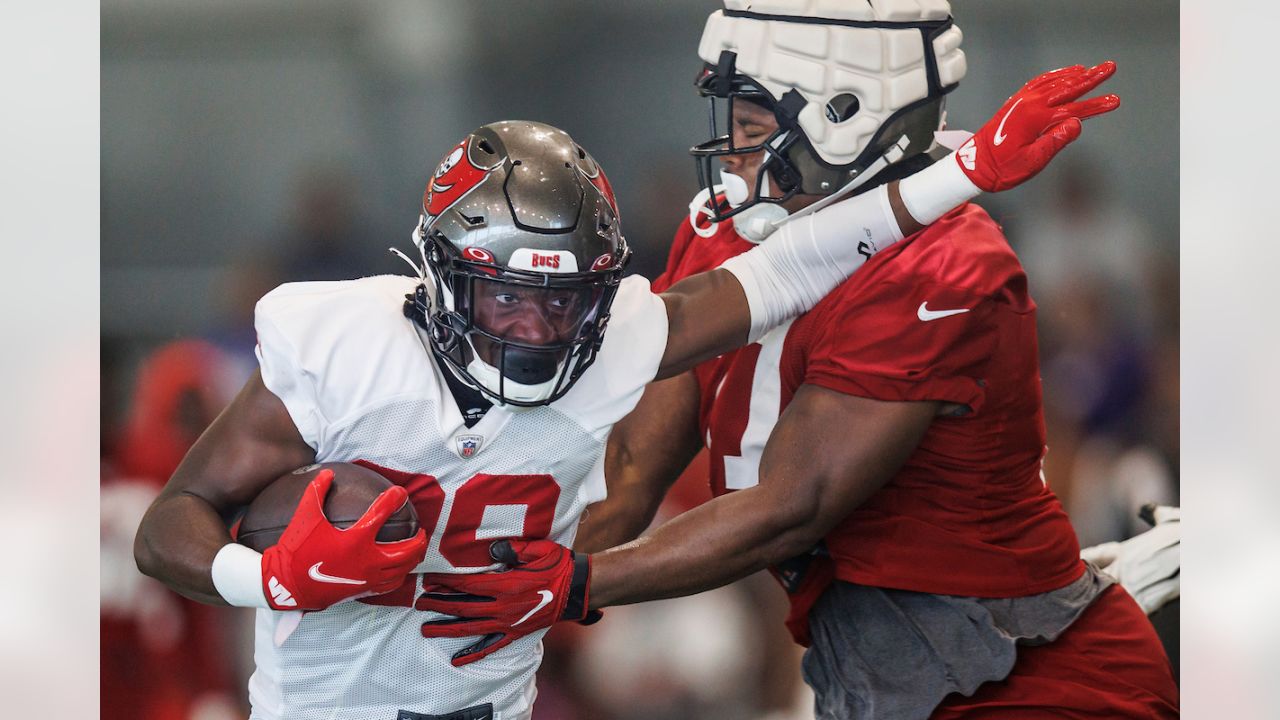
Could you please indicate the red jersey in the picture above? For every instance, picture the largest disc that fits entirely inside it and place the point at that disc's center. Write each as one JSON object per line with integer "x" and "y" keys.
{"x": 942, "y": 315}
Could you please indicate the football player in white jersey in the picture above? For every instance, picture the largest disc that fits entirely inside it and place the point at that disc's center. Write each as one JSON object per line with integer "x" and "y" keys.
{"x": 484, "y": 387}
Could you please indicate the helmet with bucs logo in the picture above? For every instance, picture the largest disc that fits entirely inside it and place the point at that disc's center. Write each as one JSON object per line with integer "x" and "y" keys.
{"x": 855, "y": 87}
{"x": 520, "y": 235}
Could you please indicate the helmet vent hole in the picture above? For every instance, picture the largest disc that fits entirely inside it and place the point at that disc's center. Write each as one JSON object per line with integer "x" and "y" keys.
{"x": 842, "y": 107}
{"x": 486, "y": 147}
{"x": 582, "y": 154}
{"x": 516, "y": 162}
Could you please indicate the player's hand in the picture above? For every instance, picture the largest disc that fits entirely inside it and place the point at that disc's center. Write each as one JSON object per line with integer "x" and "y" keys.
{"x": 316, "y": 565}
{"x": 546, "y": 583}
{"x": 1149, "y": 565}
{"x": 1033, "y": 125}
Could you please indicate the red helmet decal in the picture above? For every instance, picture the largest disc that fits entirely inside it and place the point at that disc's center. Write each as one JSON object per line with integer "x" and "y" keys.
{"x": 602, "y": 184}
{"x": 453, "y": 178}
{"x": 478, "y": 254}
{"x": 604, "y": 262}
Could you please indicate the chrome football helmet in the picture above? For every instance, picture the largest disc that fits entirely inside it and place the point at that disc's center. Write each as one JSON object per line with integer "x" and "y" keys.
{"x": 521, "y": 239}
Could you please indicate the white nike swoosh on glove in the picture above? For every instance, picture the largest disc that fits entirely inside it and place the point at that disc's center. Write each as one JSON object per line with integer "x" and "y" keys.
{"x": 547, "y": 596}
{"x": 318, "y": 576}
{"x": 1000, "y": 136}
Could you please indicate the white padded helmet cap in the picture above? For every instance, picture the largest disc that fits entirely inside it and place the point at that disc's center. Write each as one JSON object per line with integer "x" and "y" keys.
{"x": 868, "y": 11}
{"x": 882, "y": 66}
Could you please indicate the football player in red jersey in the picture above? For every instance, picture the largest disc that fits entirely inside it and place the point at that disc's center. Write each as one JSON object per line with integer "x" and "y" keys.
{"x": 881, "y": 453}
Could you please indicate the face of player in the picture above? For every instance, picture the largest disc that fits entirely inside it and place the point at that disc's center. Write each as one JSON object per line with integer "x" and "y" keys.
{"x": 751, "y": 125}
{"x": 527, "y": 315}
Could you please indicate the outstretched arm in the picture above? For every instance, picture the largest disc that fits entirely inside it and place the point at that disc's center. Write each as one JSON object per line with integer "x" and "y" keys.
{"x": 806, "y": 258}
{"x": 800, "y": 497}
{"x": 711, "y": 313}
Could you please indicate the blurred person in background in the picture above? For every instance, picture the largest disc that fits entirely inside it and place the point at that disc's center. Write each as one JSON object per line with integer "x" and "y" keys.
{"x": 246, "y": 279}
{"x": 327, "y": 239}
{"x": 877, "y": 431}
{"x": 163, "y": 657}
{"x": 1109, "y": 352}
{"x": 1086, "y": 237}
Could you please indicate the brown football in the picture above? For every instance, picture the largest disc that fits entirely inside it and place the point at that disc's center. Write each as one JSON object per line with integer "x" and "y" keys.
{"x": 354, "y": 489}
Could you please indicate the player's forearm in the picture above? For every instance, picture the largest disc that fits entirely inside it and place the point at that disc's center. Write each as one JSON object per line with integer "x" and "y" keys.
{"x": 645, "y": 455}
{"x": 637, "y": 484}
{"x": 619, "y": 518}
{"x": 710, "y": 546}
{"x": 613, "y": 522}
{"x": 177, "y": 542}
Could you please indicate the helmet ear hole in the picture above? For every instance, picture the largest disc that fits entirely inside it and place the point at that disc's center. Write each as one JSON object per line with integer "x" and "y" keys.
{"x": 842, "y": 107}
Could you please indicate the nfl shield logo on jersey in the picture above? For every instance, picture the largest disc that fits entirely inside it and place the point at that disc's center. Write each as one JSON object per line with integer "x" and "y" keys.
{"x": 469, "y": 444}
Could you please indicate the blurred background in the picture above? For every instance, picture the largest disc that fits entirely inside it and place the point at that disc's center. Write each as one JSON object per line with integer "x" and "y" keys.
{"x": 245, "y": 144}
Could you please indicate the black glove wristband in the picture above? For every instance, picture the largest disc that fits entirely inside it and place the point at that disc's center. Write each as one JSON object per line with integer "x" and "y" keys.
{"x": 575, "y": 606}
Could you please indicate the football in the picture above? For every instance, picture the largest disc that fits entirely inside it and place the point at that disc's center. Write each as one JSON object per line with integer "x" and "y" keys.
{"x": 353, "y": 490}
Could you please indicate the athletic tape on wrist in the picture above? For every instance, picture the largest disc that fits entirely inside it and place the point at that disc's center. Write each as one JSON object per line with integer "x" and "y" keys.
{"x": 237, "y": 576}
{"x": 935, "y": 190}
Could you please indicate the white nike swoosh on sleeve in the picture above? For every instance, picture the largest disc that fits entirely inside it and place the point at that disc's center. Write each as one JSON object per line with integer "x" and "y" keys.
{"x": 925, "y": 314}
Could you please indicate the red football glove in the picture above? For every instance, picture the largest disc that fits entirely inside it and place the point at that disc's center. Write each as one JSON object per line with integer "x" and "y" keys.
{"x": 316, "y": 565}
{"x": 546, "y": 583}
{"x": 1033, "y": 125}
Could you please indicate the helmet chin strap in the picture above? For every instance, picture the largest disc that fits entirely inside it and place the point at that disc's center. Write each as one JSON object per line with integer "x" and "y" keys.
{"x": 758, "y": 221}
{"x": 700, "y": 207}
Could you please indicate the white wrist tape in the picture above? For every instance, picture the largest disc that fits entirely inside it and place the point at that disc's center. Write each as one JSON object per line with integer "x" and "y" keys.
{"x": 935, "y": 190}
{"x": 237, "y": 575}
{"x": 808, "y": 256}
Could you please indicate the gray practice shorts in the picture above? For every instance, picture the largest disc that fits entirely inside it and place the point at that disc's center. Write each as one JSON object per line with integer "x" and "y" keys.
{"x": 894, "y": 655}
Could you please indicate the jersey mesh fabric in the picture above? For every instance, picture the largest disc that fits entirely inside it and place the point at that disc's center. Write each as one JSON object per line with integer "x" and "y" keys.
{"x": 343, "y": 358}
{"x": 355, "y": 660}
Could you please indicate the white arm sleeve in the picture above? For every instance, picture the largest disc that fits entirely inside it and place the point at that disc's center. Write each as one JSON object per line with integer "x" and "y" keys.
{"x": 809, "y": 256}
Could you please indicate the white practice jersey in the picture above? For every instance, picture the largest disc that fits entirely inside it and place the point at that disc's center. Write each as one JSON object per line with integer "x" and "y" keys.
{"x": 362, "y": 385}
